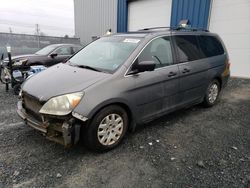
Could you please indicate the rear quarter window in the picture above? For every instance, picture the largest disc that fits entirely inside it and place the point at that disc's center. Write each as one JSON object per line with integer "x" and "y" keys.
{"x": 210, "y": 46}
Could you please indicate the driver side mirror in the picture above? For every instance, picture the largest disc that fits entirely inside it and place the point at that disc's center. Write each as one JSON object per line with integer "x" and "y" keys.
{"x": 143, "y": 66}
{"x": 53, "y": 55}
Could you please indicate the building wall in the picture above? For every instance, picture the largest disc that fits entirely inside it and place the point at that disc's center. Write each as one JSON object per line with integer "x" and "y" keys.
{"x": 196, "y": 11}
{"x": 94, "y": 18}
{"x": 231, "y": 20}
{"x": 147, "y": 13}
{"x": 228, "y": 18}
{"x": 122, "y": 16}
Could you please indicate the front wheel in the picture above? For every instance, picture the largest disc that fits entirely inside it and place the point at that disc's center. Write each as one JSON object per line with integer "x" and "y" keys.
{"x": 107, "y": 129}
{"x": 212, "y": 93}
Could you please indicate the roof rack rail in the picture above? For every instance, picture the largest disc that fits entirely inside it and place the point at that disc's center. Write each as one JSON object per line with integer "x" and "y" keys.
{"x": 153, "y": 28}
{"x": 175, "y": 29}
{"x": 191, "y": 29}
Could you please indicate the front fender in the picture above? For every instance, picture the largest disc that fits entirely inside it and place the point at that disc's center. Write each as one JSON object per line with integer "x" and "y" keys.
{"x": 89, "y": 109}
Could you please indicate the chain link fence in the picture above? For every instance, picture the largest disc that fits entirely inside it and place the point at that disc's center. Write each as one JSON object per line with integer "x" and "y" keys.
{"x": 28, "y": 44}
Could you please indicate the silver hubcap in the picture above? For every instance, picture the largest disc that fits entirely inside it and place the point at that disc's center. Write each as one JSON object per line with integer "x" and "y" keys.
{"x": 213, "y": 93}
{"x": 110, "y": 129}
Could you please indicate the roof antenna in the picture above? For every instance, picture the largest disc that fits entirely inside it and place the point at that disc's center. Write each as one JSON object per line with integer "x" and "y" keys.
{"x": 184, "y": 24}
{"x": 109, "y": 32}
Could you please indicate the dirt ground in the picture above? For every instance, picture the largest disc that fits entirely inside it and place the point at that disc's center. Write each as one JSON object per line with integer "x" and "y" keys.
{"x": 195, "y": 147}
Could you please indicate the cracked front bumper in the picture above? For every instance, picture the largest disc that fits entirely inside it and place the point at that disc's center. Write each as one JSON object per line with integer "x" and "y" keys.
{"x": 65, "y": 132}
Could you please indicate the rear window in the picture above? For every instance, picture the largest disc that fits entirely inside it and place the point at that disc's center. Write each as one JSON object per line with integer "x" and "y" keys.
{"x": 187, "y": 48}
{"x": 210, "y": 46}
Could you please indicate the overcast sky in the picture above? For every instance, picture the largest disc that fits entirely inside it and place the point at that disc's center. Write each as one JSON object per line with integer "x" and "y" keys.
{"x": 55, "y": 17}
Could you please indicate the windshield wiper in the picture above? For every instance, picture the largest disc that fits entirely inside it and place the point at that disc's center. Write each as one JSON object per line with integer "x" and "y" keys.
{"x": 88, "y": 67}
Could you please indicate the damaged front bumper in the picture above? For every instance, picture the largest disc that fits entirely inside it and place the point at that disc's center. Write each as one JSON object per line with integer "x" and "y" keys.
{"x": 65, "y": 131}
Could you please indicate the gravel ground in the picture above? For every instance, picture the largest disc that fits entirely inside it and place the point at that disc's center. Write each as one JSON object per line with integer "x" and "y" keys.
{"x": 195, "y": 147}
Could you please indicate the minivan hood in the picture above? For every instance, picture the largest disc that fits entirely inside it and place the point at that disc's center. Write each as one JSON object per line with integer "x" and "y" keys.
{"x": 61, "y": 79}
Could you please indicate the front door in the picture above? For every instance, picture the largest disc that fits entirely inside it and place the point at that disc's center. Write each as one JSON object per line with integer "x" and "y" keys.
{"x": 162, "y": 51}
{"x": 156, "y": 90}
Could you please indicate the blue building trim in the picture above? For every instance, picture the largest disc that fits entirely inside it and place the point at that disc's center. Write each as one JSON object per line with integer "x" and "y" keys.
{"x": 196, "y": 11}
{"x": 122, "y": 16}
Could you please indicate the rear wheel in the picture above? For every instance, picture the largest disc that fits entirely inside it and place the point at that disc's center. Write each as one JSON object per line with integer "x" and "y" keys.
{"x": 107, "y": 129}
{"x": 212, "y": 93}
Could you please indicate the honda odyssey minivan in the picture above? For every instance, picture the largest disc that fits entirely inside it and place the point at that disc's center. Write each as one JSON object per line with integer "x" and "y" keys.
{"x": 122, "y": 80}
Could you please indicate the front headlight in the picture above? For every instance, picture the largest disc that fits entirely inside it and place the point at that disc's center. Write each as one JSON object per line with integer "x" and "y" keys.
{"x": 61, "y": 105}
{"x": 19, "y": 62}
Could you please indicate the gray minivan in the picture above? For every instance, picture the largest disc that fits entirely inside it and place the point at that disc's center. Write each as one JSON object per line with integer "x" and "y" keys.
{"x": 122, "y": 80}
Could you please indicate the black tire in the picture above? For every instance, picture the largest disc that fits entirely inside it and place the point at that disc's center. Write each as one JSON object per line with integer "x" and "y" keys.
{"x": 1, "y": 73}
{"x": 208, "y": 102}
{"x": 91, "y": 137}
{"x": 16, "y": 89}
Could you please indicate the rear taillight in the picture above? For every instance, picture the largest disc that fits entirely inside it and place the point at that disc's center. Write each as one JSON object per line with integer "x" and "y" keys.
{"x": 228, "y": 64}
{"x": 226, "y": 72}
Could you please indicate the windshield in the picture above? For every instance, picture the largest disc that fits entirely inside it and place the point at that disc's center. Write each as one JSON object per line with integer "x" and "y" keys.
{"x": 106, "y": 54}
{"x": 46, "y": 50}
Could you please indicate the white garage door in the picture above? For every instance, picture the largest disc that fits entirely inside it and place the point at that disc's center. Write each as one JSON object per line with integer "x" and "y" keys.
{"x": 231, "y": 20}
{"x": 148, "y": 13}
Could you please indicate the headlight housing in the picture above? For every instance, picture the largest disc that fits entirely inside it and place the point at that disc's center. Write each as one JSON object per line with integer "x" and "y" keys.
{"x": 19, "y": 62}
{"x": 61, "y": 105}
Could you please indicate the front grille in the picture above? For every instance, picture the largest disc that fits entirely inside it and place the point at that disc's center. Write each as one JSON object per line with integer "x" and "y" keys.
{"x": 32, "y": 106}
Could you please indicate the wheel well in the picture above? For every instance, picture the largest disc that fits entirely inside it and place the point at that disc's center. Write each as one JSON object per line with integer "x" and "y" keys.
{"x": 122, "y": 105}
{"x": 219, "y": 80}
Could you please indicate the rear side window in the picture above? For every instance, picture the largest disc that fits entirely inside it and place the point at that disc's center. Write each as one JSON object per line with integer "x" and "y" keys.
{"x": 210, "y": 46}
{"x": 187, "y": 48}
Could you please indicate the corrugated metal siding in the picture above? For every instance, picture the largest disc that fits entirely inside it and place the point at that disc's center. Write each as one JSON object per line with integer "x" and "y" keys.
{"x": 122, "y": 17}
{"x": 94, "y": 18}
{"x": 196, "y": 11}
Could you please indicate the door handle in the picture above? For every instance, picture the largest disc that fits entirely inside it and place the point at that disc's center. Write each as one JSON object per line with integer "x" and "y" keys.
{"x": 185, "y": 70}
{"x": 171, "y": 74}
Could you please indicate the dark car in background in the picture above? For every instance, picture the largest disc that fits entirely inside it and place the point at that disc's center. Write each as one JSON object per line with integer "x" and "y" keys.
{"x": 47, "y": 56}
{"x": 123, "y": 80}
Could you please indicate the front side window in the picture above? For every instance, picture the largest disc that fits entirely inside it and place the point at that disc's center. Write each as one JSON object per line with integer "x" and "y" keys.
{"x": 187, "y": 48}
{"x": 107, "y": 53}
{"x": 159, "y": 51}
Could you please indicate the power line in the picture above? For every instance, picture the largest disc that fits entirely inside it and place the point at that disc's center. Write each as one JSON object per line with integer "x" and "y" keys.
{"x": 28, "y": 25}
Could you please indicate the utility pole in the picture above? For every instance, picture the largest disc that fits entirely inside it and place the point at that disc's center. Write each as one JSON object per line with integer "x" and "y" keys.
{"x": 37, "y": 34}
{"x": 10, "y": 30}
